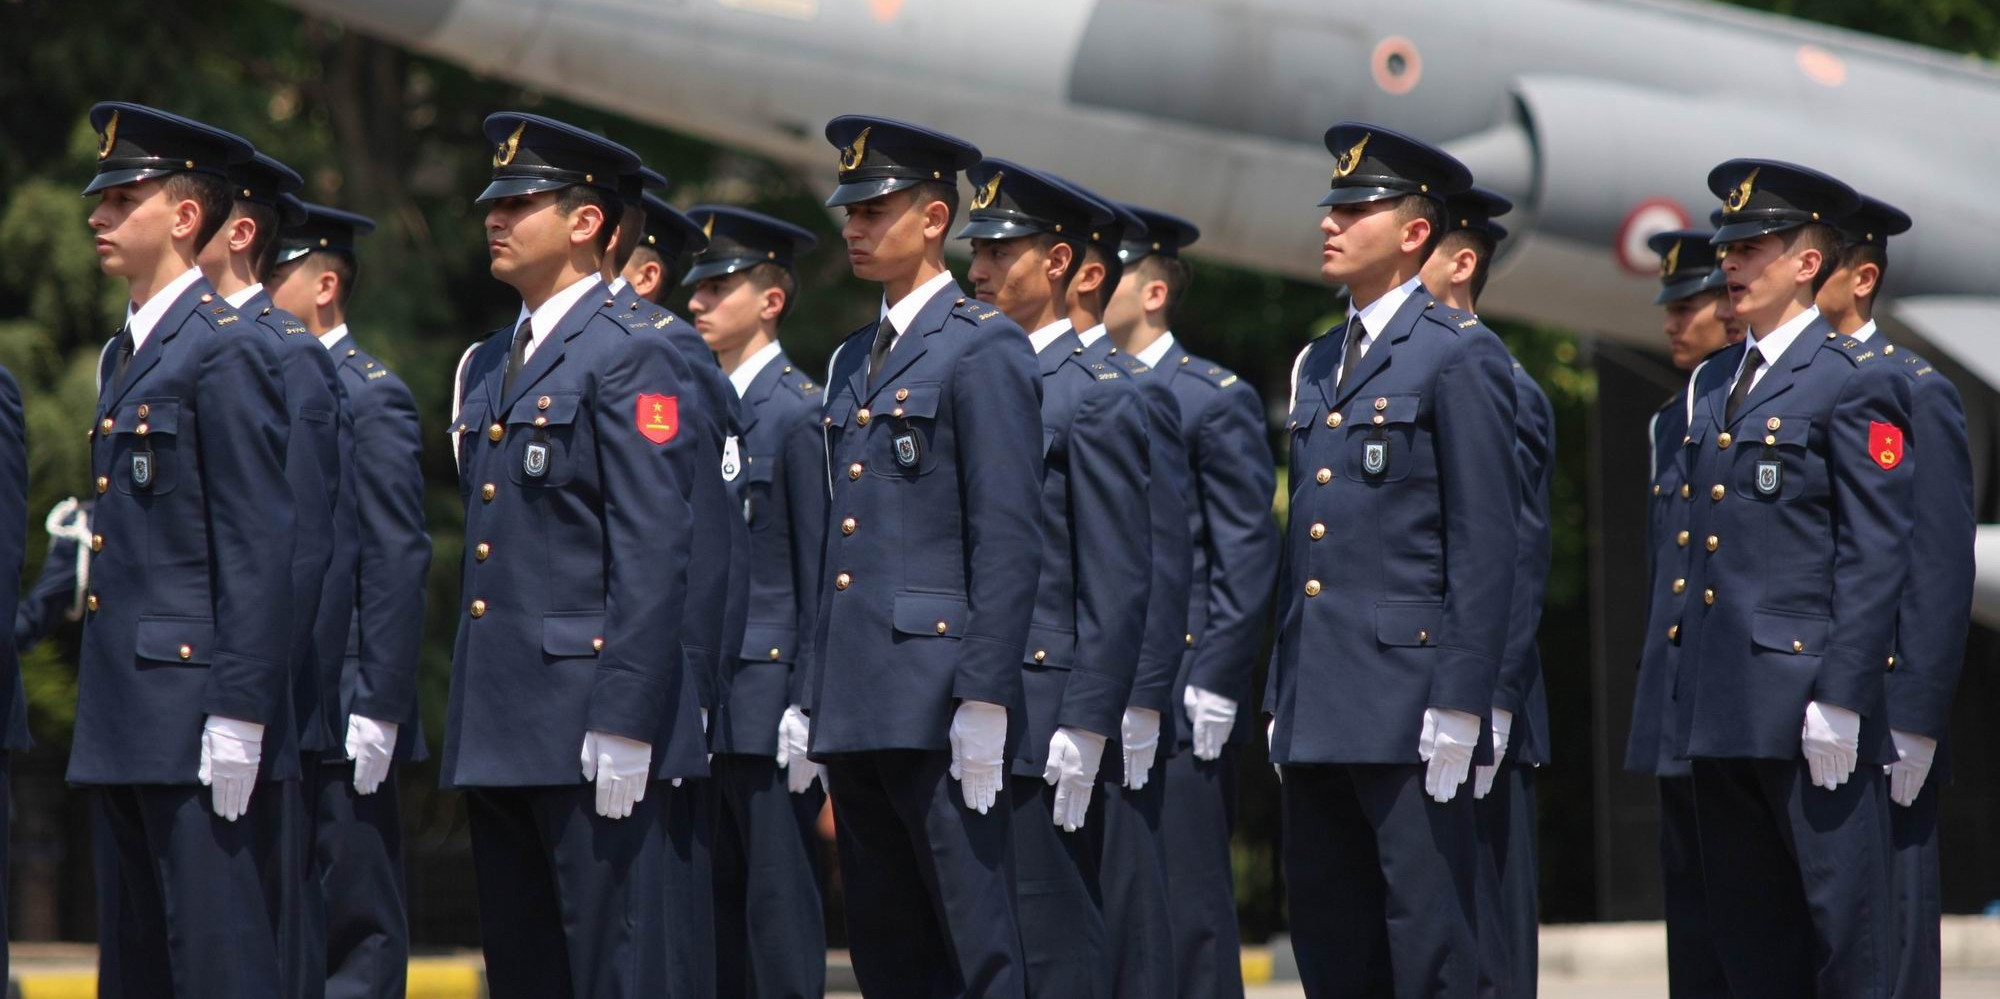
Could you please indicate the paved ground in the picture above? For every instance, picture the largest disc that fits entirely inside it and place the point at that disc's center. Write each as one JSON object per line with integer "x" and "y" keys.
{"x": 1967, "y": 985}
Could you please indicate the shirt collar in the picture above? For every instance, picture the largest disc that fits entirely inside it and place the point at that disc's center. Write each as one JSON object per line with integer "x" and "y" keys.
{"x": 751, "y": 367}
{"x": 1156, "y": 351}
{"x": 142, "y": 320}
{"x": 243, "y": 294}
{"x": 1772, "y": 345}
{"x": 1867, "y": 330}
{"x": 1041, "y": 338}
{"x": 903, "y": 313}
{"x": 333, "y": 336}
{"x": 552, "y": 312}
{"x": 1092, "y": 335}
{"x": 1376, "y": 314}
{"x": 616, "y": 285}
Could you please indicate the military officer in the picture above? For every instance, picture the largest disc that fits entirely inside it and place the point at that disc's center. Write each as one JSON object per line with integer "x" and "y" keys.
{"x": 1793, "y": 563}
{"x": 1028, "y": 234}
{"x": 1932, "y": 615}
{"x": 1396, "y": 599}
{"x": 1697, "y": 314}
{"x": 570, "y": 449}
{"x": 770, "y": 937}
{"x": 1132, "y": 870}
{"x": 357, "y": 834}
{"x": 1234, "y": 544}
{"x": 184, "y": 672}
{"x": 933, "y": 444}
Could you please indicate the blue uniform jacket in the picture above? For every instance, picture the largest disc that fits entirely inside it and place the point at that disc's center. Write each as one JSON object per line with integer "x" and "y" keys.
{"x": 194, "y": 528}
{"x": 1649, "y": 746}
{"x": 48, "y": 602}
{"x": 383, "y": 639}
{"x": 1521, "y": 689}
{"x": 1234, "y": 539}
{"x": 13, "y": 550}
{"x": 1796, "y": 550}
{"x": 315, "y": 464}
{"x": 1090, "y": 606}
{"x": 579, "y": 519}
{"x": 926, "y": 601}
{"x": 1401, "y": 549}
{"x": 784, "y": 479}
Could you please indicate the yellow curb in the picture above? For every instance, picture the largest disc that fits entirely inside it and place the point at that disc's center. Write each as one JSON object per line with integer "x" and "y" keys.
{"x": 58, "y": 985}
{"x": 430, "y": 978}
{"x": 1256, "y": 967}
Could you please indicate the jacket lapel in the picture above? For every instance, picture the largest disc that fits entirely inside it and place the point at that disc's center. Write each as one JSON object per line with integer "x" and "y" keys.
{"x": 1060, "y": 349}
{"x": 761, "y": 388}
{"x": 550, "y": 352}
{"x": 912, "y": 344}
{"x": 1779, "y": 380}
{"x": 1381, "y": 351}
{"x": 150, "y": 352}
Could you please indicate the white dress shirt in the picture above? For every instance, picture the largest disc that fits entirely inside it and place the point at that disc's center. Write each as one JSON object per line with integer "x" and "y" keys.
{"x": 1867, "y": 330}
{"x": 1041, "y": 338}
{"x": 1772, "y": 345}
{"x": 1155, "y": 352}
{"x": 1374, "y": 318}
{"x": 550, "y": 315}
{"x": 903, "y": 313}
{"x": 333, "y": 336}
{"x": 1092, "y": 335}
{"x": 243, "y": 294}
{"x": 753, "y": 366}
{"x": 142, "y": 319}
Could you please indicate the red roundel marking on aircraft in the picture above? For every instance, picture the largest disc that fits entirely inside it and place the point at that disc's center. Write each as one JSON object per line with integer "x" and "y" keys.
{"x": 1396, "y": 65}
{"x": 1653, "y": 215}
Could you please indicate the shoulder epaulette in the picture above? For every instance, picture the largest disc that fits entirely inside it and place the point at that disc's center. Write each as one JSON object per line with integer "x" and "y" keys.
{"x": 218, "y": 312}
{"x": 798, "y": 381}
{"x": 1858, "y": 351}
{"x": 1451, "y": 319}
{"x": 1209, "y": 371}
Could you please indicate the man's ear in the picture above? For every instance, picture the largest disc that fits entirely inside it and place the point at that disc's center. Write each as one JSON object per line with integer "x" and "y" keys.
{"x": 240, "y": 231}
{"x": 326, "y": 288}
{"x": 1060, "y": 256}
{"x": 1464, "y": 264}
{"x": 1416, "y": 232}
{"x": 937, "y": 218}
{"x": 187, "y": 220}
{"x": 774, "y": 303}
{"x": 1089, "y": 278}
{"x": 584, "y": 224}
{"x": 647, "y": 280}
{"x": 1867, "y": 278}
{"x": 1811, "y": 261}
{"x": 1153, "y": 296}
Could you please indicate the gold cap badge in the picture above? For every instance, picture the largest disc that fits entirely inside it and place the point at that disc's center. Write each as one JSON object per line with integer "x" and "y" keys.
{"x": 983, "y": 197}
{"x": 1672, "y": 261}
{"x": 505, "y": 152}
{"x": 1346, "y": 162}
{"x": 1739, "y": 199}
{"x": 708, "y": 227}
{"x": 109, "y": 136}
{"x": 850, "y": 158}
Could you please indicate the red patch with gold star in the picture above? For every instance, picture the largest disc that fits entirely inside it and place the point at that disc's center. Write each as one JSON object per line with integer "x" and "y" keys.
{"x": 1885, "y": 444}
{"x": 659, "y": 417}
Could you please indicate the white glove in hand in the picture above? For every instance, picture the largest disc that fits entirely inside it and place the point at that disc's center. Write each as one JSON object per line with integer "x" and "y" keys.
{"x": 67, "y": 520}
{"x": 1212, "y": 716}
{"x": 794, "y": 735}
{"x": 371, "y": 745}
{"x": 1139, "y": 737}
{"x": 230, "y": 752}
{"x": 1831, "y": 740}
{"x": 1482, "y": 779}
{"x": 1270, "y": 746}
{"x": 1446, "y": 744}
{"x": 1074, "y": 756}
{"x": 621, "y": 767}
{"x": 1914, "y": 754}
{"x": 978, "y": 748}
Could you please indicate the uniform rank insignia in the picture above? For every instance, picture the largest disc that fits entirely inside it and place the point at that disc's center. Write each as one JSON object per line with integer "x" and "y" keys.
{"x": 659, "y": 417}
{"x": 907, "y": 451}
{"x": 1885, "y": 444}
{"x": 142, "y": 469}
{"x": 732, "y": 459}
{"x": 1375, "y": 456}
{"x": 535, "y": 460}
{"x": 1769, "y": 476}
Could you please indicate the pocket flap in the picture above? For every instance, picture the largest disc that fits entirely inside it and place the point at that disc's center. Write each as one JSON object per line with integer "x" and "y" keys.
{"x": 771, "y": 642}
{"x": 836, "y": 411}
{"x": 569, "y": 634}
{"x": 1304, "y": 414}
{"x": 178, "y": 640}
{"x": 1391, "y": 408}
{"x": 157, "y": 416}
{"x": 1791, "y": 431}
{"x": 934, "y": 614}
{"x": 1789, "y": 631}
{"x": 1408, "y": 624}
{"x": 1050, "y": 646}
{"x": 560, "y": 411}
{"x": 922, "y": 399}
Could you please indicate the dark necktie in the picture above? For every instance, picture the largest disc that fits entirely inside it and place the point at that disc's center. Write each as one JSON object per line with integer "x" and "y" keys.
{"x": 885, "y": 335}
{"x": 125, "y": 349}
{"x": 1352, "y": 360}
{"x": 1742, "y": 389}
{"x": 518, "y": 357}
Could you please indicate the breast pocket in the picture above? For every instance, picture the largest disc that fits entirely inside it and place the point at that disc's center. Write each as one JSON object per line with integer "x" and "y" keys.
{"x": 1775, "y": 462}
{"x": 541, "y": 445}
{"x": 903, "y": 436}
{"x": 1384, "y": 441}
{"x": 145, "y": 445}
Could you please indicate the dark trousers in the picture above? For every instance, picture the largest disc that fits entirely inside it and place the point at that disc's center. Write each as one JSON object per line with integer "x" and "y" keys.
{"x": 6, "y": 833}
{"x": 1799, "y": 892}
{"x": 1382, "y": 883}
{"x": 1919, "y": 901}
{"x": 1197, "y": 817}
{"x": 190, "y": 904}
{"x": 358, "y": 865}
{"x": 1694, "y": 971}
{"x": 690, "y": 888}
{"x": 572, "y": 905}
{"x": 770, "y": 934}
{"x": 928, "y": 882}
{"x": 1055, "y": 878}
{"x": 1509, "y": 922}
{"x": 1132, "y": 880}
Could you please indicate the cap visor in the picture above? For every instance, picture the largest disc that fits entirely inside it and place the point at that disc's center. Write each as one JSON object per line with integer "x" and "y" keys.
{"x": 287, "y": 254}
{"x": 996, "y": 229}
{"x": 514, "y": 187}
{"x": 716, "y": 268}
{"x": 119, "y": 178}
{"x": 868, "y": 190}
{"x": 1738, "y": 231}
{"x": 1686, "y": 288}
{"x": 1358, "y": 195}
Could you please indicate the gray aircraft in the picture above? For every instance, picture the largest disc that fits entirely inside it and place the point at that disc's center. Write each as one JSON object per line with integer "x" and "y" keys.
{"x": 1599, "y": 118}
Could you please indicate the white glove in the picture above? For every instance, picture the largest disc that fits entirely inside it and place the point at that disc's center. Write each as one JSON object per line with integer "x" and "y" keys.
{"x": 1446, "y": 744}
{"x": 1482, "y": 778}
{"x": 1914, "y": 754}
{"x": 371, "y": 745}
{"x": 1212, "y": 716}
{"x": 1074, "y": 756}
{"x": 794, "y": 735}
{"x": 704, "y": 731}
{"x": 67, "y": 520}
{"x": 621, "y": 768}
{"x": 978, "y": 752}
{"x": 1139, "y": 737}
{"x": 1270, "y": 746}
{"x": 1831, "y": 740}
{"x": 230, "y": 752}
